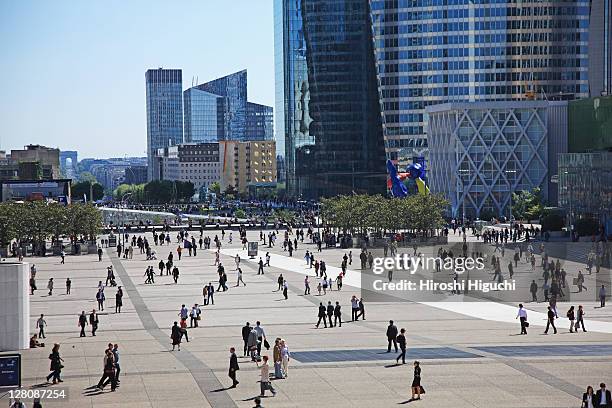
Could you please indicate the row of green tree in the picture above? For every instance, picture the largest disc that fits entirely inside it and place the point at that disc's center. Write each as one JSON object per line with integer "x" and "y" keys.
{"x": 37, "y": 221}
{"x": 360, "y": 213}
{"x": 156, "y": 192}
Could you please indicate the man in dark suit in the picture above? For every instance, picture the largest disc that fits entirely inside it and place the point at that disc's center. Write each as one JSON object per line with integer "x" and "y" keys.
{"x": 391, "y": 336}
{"x": 233, "y": 367}
{"x": 322, "y": 315}
{"x": 330, "y": 313}
{"x": 603, "y": 399}
{"x": 245, "y": 336}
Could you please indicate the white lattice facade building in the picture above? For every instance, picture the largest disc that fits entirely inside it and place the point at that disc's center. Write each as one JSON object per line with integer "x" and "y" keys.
{"x": 481, "y": 152}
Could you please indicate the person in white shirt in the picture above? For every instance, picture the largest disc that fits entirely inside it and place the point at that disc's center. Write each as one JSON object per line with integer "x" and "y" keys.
{"x": 240, "y": 278}
{"x": 285, "y": 357}
{"x": 522, "y": 315}
{"x": 265, "y": 377}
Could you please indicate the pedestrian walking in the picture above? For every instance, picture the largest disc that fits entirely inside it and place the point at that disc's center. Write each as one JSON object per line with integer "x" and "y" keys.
{"x": 50, "y": 286}
{"x": 239, "y": 280}
{"x": 580, "y": 319}
{"x": 56, "y": 364}
{"x": 522, "y": 315}
{"x": 401, "y": 340}
{"x": 416, "y": 382}
{"x": 82, "y": 323}
{"x": 391, "y": 336}
{"x": 93, "y": 322}
{"x": 285, "y": 356}
{"x": 285, "y": 290}
{"x": 277, "y": 359}
{"x": 265, "y": 383}
{"x": 306, "y": 286}
{"x": 354, "y": 308}
{"x": 118, "y": 300}
{"x": 551, "y": 320}
{"x": 63, "y": 256}
{"x": 337, "y": 315}
{"x": 602, "y": 296}
{"x": 176, "y": 336}
{"x": 246, "y": 329}
{"x": 233, "y": 367}
{"x": 571, "y": 315}
{"x": 321, "y": 315}
{"x": 100, "y": 298}
{"x": 41, "y": 324}
{"x": 330, "y": 313}
{"x": 109, "y": 371}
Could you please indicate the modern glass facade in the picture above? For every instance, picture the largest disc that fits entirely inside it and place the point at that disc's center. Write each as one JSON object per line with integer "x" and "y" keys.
{"x": 435, "y": 51}
{"x": 234, "y": 88}
{"x": 326, "y": 91}
{"x": 585, "y": 185}
{"x": 205, "y": 115}
{"x": 164, "y": 88}
{"x": 259, "y": 124}
{"x": 482, "y": 152}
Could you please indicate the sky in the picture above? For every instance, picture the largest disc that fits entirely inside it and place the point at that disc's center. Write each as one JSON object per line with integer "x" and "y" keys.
{"x": 72, "y": 73}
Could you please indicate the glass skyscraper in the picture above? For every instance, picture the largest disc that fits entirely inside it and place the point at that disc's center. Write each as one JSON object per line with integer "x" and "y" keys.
{"x": 260, "y": 122}
{"x": 327, "y": 103}
{"x": 600, "y": 48}
{"x": 164, "y": 88}
{"x": 234, "y": 88}
{"x": 435, "y": 51}
{"x": 204, "y": 116}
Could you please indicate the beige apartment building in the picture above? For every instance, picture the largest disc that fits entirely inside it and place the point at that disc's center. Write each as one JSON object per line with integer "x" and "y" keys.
{"x": 248, "y": 166}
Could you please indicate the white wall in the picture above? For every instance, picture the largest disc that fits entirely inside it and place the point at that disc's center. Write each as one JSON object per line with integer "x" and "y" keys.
{"x": 14, "y": 306}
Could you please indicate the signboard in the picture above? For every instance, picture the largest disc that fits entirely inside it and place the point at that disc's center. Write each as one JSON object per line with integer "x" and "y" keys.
{"x": 112, "y": 241}
{"x": 10, "y": 370}
{"x": 252, "y": 251}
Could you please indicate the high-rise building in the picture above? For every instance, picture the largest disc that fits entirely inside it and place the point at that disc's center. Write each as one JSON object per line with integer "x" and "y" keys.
{"x": 205, "y": 116}
{"x": 234, "y": 88}
{"x": 432, "y": 52}
{"x": 164, "y": 89}
{"x": 327, "y": 99}
{"x": 600, "y": 48}
{"x": 259, "y": 125}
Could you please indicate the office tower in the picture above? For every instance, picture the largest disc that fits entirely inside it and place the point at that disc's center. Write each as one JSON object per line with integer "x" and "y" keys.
{"x": 432, "y": 52}
{"x": 164, "y": 88}
{"x": 326, "y": 89}
{"x": 600, "y": 51}
{"x": 205, "y": 116}
{"x": 259, "y": 125}
{"x": 234, "y": 88}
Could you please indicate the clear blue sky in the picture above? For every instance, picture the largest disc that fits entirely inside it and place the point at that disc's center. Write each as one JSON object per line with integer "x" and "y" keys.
{"x": 72, "y": 72}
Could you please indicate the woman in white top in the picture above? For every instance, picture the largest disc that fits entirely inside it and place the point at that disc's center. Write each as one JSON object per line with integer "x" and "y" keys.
{"x": 285, "y": 357}
{"x": 588, "y": 397}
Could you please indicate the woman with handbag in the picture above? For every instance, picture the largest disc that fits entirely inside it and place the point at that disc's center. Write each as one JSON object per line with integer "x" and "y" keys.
{"x": 416, "y": 382}
{"x": 56, "y": 365}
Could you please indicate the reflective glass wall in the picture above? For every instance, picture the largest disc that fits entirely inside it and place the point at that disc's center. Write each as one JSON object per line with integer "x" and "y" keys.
{"x": 331, "y": 117}
{"x": 435, "y": 51}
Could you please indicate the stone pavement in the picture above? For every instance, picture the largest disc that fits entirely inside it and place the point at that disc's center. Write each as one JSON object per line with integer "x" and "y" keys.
{"x": 467, "y": 360}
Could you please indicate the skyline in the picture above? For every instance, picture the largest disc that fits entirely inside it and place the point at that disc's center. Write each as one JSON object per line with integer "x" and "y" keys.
{"x": 109, "y": 64}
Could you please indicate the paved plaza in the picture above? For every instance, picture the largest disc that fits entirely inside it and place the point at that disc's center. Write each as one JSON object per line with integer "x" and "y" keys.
{"x": 471, "y": 354}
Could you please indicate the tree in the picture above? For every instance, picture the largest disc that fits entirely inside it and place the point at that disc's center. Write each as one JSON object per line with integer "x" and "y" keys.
{"x": 87, "y": 176}
{"x": 527, "y": 205}
{"x": 159, "y": 191}
{"x": 82, "y": 188}
{"x": 136, "y": 191}
{"x": 215, "y": 187}
{"x": 184, "y": 190}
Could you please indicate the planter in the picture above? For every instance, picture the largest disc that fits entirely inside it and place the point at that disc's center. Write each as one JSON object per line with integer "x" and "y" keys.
{"x": 4, "y": 252}
{"x": 92, "y": 248}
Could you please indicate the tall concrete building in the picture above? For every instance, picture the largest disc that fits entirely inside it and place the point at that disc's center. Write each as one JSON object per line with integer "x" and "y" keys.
{"x": 326, "y": 96}
{"x": 432, "y": 52}
{"x": 198, "y": 163}
{"x": 164, "y": 93}
{"x": 600, "y": 48}
{"x": 249, "y": 166}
